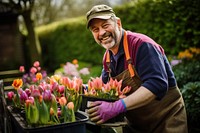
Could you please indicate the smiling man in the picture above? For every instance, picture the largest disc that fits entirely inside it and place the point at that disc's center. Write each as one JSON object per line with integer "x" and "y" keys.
{"x": 155, "y": 104}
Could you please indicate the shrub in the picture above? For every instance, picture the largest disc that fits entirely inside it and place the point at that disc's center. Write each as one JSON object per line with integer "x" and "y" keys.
{"x": 191, "y": 95}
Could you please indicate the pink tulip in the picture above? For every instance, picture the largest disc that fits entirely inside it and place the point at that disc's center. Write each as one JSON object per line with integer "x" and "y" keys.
{"x": 98, "y": 83}
{"x": 61, "y": 89}
{"x": 28, "y": 92}
{"x": 21, "y": 69}
{"x": 126, "y": 90}
{"x": 35, "y": 93}
{"x": 23, "y": 97}
{"x": 54, "y": 86}
{"x": 29, "y": 101}
{"x": 106, "y": 88}
{"x": 36, "y": 64}
{"x": 33, "y": 70}
{"x": 10, "y": 95}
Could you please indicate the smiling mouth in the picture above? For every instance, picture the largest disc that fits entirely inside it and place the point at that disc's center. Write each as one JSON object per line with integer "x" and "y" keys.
{"x": 104, "y": 39}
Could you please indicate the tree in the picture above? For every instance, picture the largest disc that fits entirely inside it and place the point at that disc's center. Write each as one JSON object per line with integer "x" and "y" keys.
{"x": 24, "y": 8}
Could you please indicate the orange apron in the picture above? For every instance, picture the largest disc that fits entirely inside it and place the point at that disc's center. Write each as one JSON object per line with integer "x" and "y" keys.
{"x": 165, "y": 116}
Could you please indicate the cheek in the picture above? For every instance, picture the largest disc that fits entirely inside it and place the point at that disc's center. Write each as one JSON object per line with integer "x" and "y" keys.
{"x": 95, "y": 37}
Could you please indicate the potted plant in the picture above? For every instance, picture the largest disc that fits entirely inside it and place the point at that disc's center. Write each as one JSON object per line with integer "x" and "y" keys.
{"x": 46, "y": 100}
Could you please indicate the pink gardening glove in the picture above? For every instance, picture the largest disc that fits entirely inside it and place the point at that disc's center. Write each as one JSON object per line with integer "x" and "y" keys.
{"x": 101, "y": 111}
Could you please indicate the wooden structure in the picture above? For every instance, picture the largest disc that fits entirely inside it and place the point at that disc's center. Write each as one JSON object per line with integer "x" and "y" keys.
{"x": 11, "y": 40}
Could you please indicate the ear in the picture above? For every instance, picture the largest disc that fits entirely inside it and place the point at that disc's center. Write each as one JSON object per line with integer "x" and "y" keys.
{"x": 119, "y": 22}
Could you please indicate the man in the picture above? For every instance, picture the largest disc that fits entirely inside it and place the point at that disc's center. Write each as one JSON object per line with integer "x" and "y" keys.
{"x": 155, "y": 104}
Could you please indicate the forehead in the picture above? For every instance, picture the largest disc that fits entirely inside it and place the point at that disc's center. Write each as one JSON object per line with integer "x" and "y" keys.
{"x": 98, "y": 22}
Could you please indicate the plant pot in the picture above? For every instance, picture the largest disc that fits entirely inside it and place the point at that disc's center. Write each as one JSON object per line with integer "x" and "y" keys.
{"x": 19, "y": 124}
{"x": 87, "y": 99}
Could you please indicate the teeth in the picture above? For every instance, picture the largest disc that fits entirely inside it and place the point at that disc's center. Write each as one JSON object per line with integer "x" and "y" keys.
{"x": 105, "y": 38}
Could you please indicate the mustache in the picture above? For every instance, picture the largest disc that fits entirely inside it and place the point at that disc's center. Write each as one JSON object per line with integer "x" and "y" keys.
{"x": 104, "y": 35}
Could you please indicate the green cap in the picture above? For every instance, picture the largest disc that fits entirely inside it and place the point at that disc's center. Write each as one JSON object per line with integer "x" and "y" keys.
{"x": 99, "y": 11}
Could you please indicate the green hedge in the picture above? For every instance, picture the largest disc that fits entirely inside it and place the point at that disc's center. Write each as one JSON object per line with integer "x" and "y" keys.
{"x": 172, "y": 23}
{"x": 67, "y": 40}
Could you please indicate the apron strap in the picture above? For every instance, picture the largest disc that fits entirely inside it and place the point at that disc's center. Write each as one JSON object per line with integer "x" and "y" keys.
{"x": 128, "y": 58}
{"x": 108, "y": 63}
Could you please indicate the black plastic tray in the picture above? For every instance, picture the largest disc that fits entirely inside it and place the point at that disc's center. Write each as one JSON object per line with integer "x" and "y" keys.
{"x": 19, "y": 124}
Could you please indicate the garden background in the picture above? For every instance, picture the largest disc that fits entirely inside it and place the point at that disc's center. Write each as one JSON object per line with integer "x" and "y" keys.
{"x": 174, "y": 24}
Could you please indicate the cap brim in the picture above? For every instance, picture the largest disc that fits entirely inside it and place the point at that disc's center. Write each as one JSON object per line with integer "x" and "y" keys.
{"x": 99, "y": 17}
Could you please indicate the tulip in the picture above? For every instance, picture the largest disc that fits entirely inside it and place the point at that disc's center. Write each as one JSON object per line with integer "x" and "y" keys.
{"x": 38, "y": 76}
{"x": 75, "y": 61}
{"x": 29, "y": 102}
{"x": 61, "y": 89}
{"x": 54, "y": 85}
{"x": 47, "y": 95}
{"x": 36, "y": 64}
{"x": 17, "y": 83}
{"x": 70, "y": 107}
{"x": 10, "y": 95}
{"x": 23, "y": 97}
{"x": 63, "y": 101}
{"x": 35, "y": 93}
{"x": 21, "y": 69}
{"x": 33, "y": 70}
{"x": 28, "y": 92}
{"x": 126, "y": 90}
{"x": 51, "y": 111}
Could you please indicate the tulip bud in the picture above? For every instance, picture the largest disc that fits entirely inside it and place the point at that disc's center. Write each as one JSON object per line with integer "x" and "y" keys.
{"x": 23, "y": 97}
{"x": 10, "y": 95}
{"x": 63, "y": 101}
{"x": 47, "y": 95}
{"x": 28, "y": 92}
{"x": 61, "y": 89}
{"x": 35, "y": 93}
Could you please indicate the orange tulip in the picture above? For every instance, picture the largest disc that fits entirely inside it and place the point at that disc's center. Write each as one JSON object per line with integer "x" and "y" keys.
{"x": 63, "y": 101}
{"x": 70, "y": 105}
{"x": 38, "y": 76}
{"x": 75, "y": 61}
{"x": 17, "y": 83}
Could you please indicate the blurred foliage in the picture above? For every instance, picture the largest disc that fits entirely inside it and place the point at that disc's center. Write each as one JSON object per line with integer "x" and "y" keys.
{"x": 189, "y": 68}
{"x": 173, "y": 24}
{"x": 191, "y": 95}
{"x": 67, "y": 40}
{"x": 187, "y": 71}
{"x": 188, "y": 79}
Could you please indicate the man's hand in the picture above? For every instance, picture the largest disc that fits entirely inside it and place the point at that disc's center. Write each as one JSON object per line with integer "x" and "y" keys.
{"x": 101, "y": 111}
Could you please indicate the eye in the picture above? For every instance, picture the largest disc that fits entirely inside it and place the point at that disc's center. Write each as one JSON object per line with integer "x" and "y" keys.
{"x": 95, "y": 30}
{"x": 105, "y": 25}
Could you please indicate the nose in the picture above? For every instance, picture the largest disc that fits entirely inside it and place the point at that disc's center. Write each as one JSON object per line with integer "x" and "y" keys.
{"x": 101, "y": 31}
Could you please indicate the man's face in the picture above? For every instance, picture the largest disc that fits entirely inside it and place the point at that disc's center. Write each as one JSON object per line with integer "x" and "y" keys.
{"x": 106, "y": 32}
